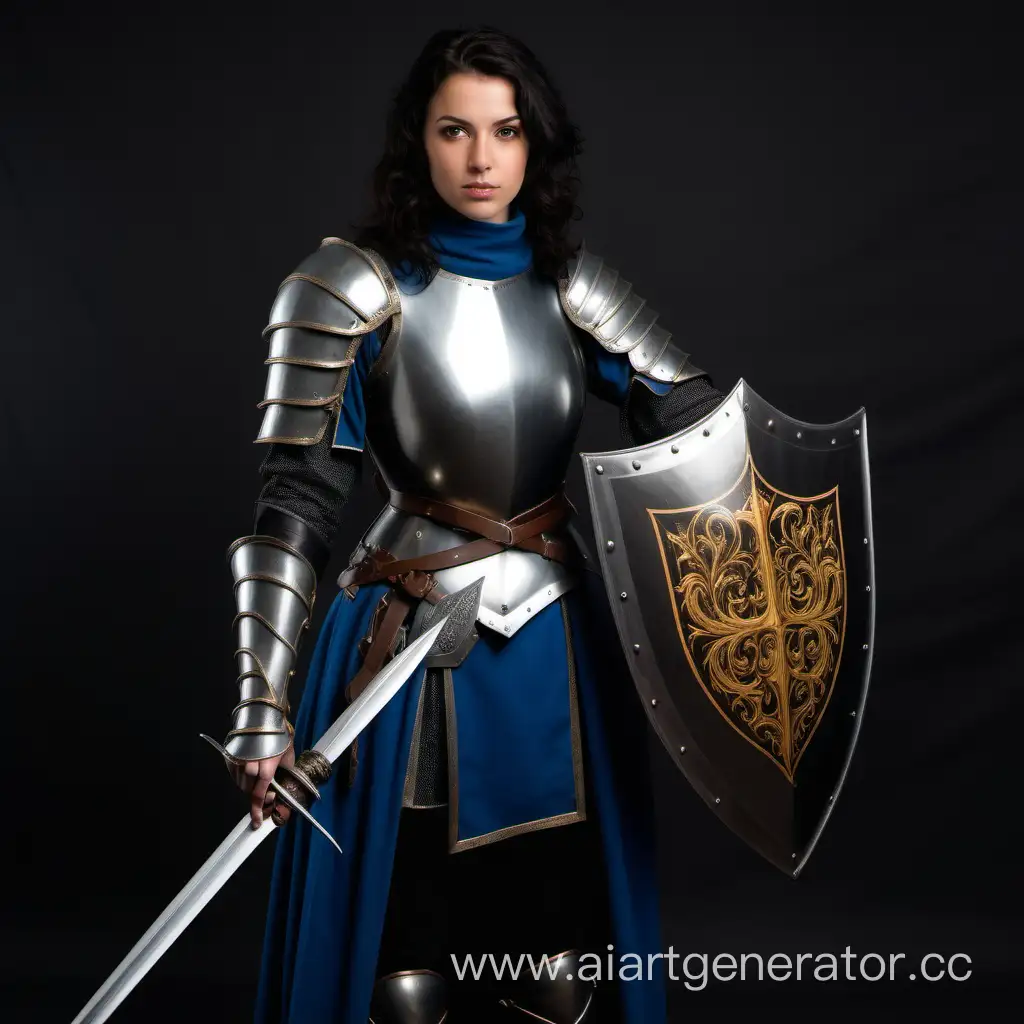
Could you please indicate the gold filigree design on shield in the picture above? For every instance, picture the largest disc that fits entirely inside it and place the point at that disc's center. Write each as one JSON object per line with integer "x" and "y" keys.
{"x": 758, "y": 586}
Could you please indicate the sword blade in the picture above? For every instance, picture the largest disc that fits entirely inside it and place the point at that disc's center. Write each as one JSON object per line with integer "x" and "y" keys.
{"x": 201, "y": 888}
{"x": 378, "y": 691}
{"x": 242, "y": 840}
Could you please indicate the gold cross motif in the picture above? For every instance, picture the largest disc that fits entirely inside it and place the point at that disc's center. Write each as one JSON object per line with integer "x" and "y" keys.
{"x": 758, "y": 587}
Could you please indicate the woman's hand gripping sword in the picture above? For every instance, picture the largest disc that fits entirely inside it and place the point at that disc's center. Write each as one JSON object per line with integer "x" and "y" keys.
{"x": 443, "y": 629}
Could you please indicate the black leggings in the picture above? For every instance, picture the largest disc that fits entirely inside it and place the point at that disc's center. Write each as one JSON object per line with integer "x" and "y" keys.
{"x": 538, "y": 893}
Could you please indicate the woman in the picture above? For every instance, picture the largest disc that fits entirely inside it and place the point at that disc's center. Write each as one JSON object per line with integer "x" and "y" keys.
{"x": 498, "y": 805}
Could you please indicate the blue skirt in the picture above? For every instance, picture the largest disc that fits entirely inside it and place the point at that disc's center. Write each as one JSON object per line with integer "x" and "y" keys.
{"x": 521, "y": 706}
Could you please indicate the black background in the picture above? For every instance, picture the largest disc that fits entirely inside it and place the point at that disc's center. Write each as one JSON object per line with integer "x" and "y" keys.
{"x": 829, "y": 207}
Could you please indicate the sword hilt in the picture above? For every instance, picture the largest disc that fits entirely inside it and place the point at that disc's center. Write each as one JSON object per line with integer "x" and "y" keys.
{"x": 298, "y": 785}
{"x": 304, "y": 779}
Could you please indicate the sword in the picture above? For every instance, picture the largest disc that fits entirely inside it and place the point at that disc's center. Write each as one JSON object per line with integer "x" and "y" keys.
{"x": 442, "y": 630}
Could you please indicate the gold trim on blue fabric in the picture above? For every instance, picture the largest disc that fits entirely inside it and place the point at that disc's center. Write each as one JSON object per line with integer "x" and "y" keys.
{"x": 455, "y": 845}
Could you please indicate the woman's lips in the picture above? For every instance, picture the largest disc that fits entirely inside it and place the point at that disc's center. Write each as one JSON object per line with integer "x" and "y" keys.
{"x": 480, "y": 191}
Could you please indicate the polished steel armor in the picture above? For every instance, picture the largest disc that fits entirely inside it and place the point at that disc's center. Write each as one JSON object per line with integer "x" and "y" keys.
{"x": 495, "y": 364}
{"x": 275, "y": 589}
{"x": 409, "y": 997}
{"x": 321, "y": 313}
{"x": 601, "y": 302}
{"x": 557, "y": 996}
{"x": 479, "y": 394}
{"x": 517, "y": 584}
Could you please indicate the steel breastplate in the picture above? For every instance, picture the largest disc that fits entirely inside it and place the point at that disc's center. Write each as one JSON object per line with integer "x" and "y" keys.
{"x": 478, "y": 396}
{"x": 476, "y": 401}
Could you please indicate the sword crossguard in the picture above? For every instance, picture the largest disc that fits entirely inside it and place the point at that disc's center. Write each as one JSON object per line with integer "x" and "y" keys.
{"x": 297, "y": 786}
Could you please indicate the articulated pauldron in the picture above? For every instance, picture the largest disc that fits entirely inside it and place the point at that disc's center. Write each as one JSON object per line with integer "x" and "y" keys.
{"x": 601, "y": 302}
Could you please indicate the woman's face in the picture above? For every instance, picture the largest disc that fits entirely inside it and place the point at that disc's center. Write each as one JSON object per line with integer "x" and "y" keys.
{"x": 475, "y": 145}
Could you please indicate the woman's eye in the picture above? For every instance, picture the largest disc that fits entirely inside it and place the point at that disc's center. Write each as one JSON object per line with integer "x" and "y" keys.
{"x": 512, "y": 132}
{"x": 449, "y": 131}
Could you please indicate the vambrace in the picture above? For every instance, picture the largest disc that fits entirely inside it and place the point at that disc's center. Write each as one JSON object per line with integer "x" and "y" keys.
{"x": 322, "y": 310}
{"x": 275, "y": 589}
{"x": 601, "y": 302}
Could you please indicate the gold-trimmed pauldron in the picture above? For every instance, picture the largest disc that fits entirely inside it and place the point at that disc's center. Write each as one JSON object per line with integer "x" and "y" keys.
{"x": 319, "y": 318}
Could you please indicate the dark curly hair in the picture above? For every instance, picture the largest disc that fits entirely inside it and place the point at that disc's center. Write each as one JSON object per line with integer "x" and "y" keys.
{"x": 404, "y": 199}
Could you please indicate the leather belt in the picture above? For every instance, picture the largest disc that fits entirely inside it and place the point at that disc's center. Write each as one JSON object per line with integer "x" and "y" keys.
{"x": 545, "y": 516}
{"x": 379, "y": 646}
{"x": 412, "y": 578}
{"x": 522, "y": 532}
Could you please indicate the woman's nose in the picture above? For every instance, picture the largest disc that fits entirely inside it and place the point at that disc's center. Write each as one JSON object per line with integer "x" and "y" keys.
{"x": 480, "y": 155}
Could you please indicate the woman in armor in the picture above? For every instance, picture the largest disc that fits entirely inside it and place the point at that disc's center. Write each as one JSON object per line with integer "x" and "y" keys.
{"x": 499, "y": 803}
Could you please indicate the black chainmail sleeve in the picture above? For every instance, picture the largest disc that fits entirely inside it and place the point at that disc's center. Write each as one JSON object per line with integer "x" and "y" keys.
{"x": 306, "y": 487}
{"x": 647, "y": 416}
{"x": 310, "y": 484}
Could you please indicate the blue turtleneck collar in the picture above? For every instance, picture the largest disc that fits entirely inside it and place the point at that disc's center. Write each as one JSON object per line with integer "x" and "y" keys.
{"x": 479, "y": 249}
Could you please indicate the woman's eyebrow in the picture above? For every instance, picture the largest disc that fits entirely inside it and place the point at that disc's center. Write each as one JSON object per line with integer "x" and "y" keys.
{"x": 469, "y": 124}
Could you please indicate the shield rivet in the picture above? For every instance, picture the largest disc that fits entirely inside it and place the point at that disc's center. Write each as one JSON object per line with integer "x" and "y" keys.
{"x": 682, "y": 750}
{"x": 610, "y": 545}
{"x": 865, "y": 647}
{"x": 599, "y": 470}
{"x": 549, "y": 593}
{"x": 771, "y": 423}
{"x": 853, "y": 714}
{"x": 504, "y": 609}
{"x": 636, "y": 465}
{"x": 654, "y": 702}
{"x": 707, "y": 433}
{"x": 831, "y": 797}
{"x": 623, "y": 595}
{"x": 636, "y": 648}
{"x": 718, "y": 799}
{"x": 799, "y": 434}
{"x": 865, "y": 540}
{"x": 868, "y": 589}
{"x": 792, "y": 856}
{"x": 833, "y": 440}
{"x": 746, "y": 407}
{"x": 856, "y": 432}
{"x": 528, "y": 610}
{"x": 675, "y": 449}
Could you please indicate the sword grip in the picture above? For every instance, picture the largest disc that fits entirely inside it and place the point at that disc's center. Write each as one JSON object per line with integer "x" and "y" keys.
{"x": 296, "y": 788}
{"x": 304, "y": 779}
